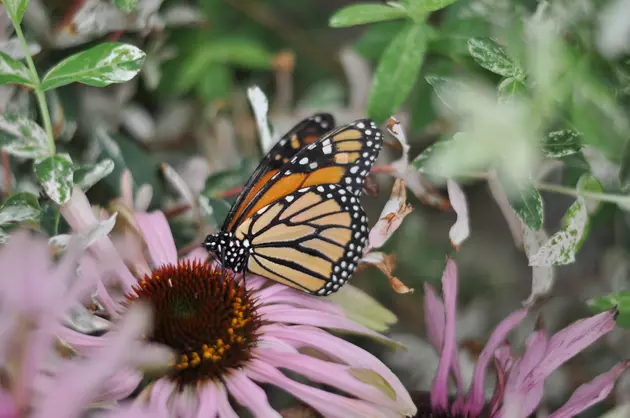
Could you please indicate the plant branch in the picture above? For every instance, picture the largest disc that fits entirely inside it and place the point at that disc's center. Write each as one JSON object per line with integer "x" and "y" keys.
{"x": 41, "y": 97}
{"x": 604, "y": 197}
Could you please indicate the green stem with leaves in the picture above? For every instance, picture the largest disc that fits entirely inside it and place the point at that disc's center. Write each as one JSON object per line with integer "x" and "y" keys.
{"x": 604, "y": 197}
{"x": 41, "y": 97}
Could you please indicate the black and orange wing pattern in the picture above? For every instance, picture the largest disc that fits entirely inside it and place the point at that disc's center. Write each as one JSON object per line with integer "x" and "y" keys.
{"x": 304, "y": 133}
{"x": 343, "y": 157}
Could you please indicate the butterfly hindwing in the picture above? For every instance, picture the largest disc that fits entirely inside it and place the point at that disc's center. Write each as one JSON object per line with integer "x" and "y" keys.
{"x": 302, "y": 134}
{"x": 311, "y": 239}
{"x": 341, "y": 157}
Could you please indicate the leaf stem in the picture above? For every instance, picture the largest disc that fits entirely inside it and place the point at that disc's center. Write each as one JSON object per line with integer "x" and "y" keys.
{"x": 604, "y": 197}
{"x": 41, "y": 97}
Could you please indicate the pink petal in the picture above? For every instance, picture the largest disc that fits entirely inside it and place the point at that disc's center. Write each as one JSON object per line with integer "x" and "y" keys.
{"x": 199, "y": 254}
{"x": 521, "y": 392}
{"x": 327, "y": 404}
{"x": 331, "y": 374}
{"x": 126, "y": 188}
{"x": 207, "y": 401}
{"x": 439, "y": 388}
{"x": 119, "y": 386}
{"x": 7, "y": 406}
{"x": 161, "y": 394}
{"x": 341, "y": 350}
{"x": 574, "y": 338}
{"x": 434, "y": 321}
{"x": 224, "y": 409}
{"x": 475, "y": 400}
{"x": 185, "y": 403}
{"x": 249, "y": 394}
{"x": 299, "y": 299}
{"x": 499, "y": 390}
{"x": 292, "y": 315}
{"x": 504, "y": 355}
{"x": 591, "y": 393}
{"x": 157, "y": 234}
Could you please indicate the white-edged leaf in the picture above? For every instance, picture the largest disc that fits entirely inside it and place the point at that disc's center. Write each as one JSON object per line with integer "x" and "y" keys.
{"x": 16, "y": 9}
{"x": 493, "y": 57}
{"x": 561, "y": 143}
{"x": 179, "y": 184}
{"x": 102, "y": 65}
{"x": 22, "y": 137}
{"x": 4, "y": 237}
{"x": 88, "y": 237}
{"x": 55, "y": 175}
{"x": 20, "y": 207}
{"x": 509, "y": 89}
{"x": 526, "y": 202}
{"x": 13, "y": 71}
{"x": 461, "y": 228}
{"x": 126, "y": 6}
{"x": 561, "y": 248}
{"x": 260, "y": 104}
{"x": 88, "y": 175}
{"x": 542, "y": 276}
{"x": 588, "y": 183}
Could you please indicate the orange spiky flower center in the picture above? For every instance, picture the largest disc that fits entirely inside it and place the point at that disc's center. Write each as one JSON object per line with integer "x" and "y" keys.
{"x": 210, "y": 321}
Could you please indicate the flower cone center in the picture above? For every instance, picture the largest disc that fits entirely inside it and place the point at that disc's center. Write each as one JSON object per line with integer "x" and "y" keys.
{"x": 209, "y": 320}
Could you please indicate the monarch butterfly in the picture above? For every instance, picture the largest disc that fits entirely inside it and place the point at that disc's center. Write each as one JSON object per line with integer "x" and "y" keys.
{"x": 298, "y": 220}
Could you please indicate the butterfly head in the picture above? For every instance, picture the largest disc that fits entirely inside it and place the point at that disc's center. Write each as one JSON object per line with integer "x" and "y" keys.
{"x": 231, "y": 251}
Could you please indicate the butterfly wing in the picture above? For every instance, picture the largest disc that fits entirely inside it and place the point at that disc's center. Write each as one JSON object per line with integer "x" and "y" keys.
{"x": 341, "y": 157}
{"x": 311, "y": 240}
{"x": 304, "y": 133}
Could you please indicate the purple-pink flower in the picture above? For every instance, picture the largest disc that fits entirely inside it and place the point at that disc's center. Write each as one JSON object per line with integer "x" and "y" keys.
{"x": 520, "y": 379}
{"x": 232, "y": 337}
{"x": 40, "y": 378}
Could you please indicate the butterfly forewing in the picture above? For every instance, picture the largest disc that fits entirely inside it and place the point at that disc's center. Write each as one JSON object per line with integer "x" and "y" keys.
{"x": 304, "y": 133}
{"x": 341, "y": 157}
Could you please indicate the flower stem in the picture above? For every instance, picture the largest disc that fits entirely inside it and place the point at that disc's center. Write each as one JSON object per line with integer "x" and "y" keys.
{"x": 41, "y": 97}
{"x": 604, "y": 197}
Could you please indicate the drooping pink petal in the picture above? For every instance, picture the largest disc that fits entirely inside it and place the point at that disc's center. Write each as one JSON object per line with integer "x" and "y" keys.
{"x": 591, "y": 393}
{"x": 161, "y": 394}
{"x": 439, "y": 388}
{"x": 292, "y": 315}
{"x": 199, "y": 254}
{"x": 499, "y": 388}
{"x": 504, "y": 355}
{"x": 249, "y": 394}
{"x": 7, "y": 406}
{"x": 574, "y": 338}
{"x": 326, "y": 403}
{"x": 207, "y": 401}
{"x": 158, "y": 237}
{"x": 224, "y": 409}
{"x": 185, "y": 403}
{"x": 295, "y": 298}
{"x": 475, "y": 401}
{"x": 306, "y": 336}
{"x": 126, "y": 188}
{"x": 331, "y": 374}
{"x": 120, "y": 385}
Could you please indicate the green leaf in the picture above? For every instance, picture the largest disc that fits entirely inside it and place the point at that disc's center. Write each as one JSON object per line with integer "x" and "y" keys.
{"x": 423, "y": 162}
{"x": 397, "y": 71}
{"x": 493, "y": 57}
{"x": 359, "y": 14}
{"x": 126, "y": 6}
{"x": 99, "y": 66}
{"x": 55, "y": 175}
{"x": 619, "y": 300}
{"x": 561, "y": 143}
{"x": 526, "y": 202}
{"x": 428, "y": 5}
{"x": 215, "y": 83}
{"x": 13, "y": 71}
{"x": 588, "y": 183}
{"x": 16, "y": 9}
{"x": 624, "y": 170}
{"x": 88, "y": 175}
{"x": 375, "y": 38}
{"x": 564, "y": 244}
{"x": 445, "y": 87}
{"x": 22, "y": 137}
{"x": 49, "y": 221}
{"x": 509, "y": 89}
{"x": 20, "y": 207}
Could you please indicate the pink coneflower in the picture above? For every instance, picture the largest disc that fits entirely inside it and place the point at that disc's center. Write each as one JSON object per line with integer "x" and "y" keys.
{"x": 39, "y": 376}
{"x": 520, "y": 380}
{"x": 231, "y": 337}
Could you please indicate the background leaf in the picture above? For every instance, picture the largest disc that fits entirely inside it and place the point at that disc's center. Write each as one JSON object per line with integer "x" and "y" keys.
{"x": 20, "y": 207}
{"x": 359, "y": 14}
{"x": 429, "y": 5}
{"x": 526, "y": 202}
{"x": 55, "y": 175}
{"x": 397, "y": 71}
{"x": 13, "y": 71}
{"x": 99, "y": 66}
{"x": 88, "y": 175}
{"x": 22, "y": 137}
{"x": 16, "y": 9}
{"x": 126, "y": 6}
{"x": 561, "y": 143}
{"x": 619, "y": 300}
{"x": 493, "y": 57}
